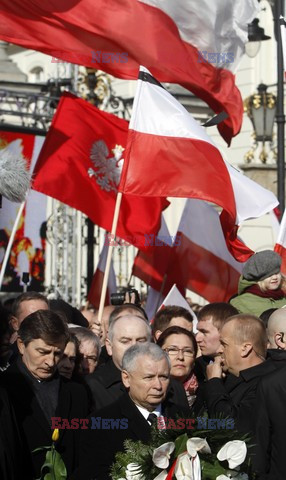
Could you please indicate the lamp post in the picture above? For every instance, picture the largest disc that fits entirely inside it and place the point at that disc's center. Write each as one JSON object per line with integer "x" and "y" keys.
{"x": 277, "y": 7}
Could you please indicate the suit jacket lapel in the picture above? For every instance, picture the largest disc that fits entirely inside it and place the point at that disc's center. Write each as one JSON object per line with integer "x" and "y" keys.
{"x": 136, "y": 421}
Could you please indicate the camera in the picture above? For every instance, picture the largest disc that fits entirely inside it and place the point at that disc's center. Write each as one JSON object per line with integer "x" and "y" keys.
{"x": 119, "y": 297}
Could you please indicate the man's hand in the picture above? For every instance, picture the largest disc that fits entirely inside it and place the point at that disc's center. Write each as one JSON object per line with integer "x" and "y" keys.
{"x": 214, "y": 370}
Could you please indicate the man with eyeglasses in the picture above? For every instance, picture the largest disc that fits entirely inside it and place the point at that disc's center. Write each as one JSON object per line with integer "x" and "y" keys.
{"x": 89, "y": 349}
{"x": 105, "y": 384}
{"x": 242, "y": 356}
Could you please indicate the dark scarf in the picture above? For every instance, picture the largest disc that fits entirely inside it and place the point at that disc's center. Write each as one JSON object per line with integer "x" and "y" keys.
{"x": 46, "y": 392}
{"x": 274, "y": 294}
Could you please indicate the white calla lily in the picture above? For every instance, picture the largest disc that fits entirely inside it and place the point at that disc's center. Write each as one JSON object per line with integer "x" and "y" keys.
{"x": 133, "y": 472}
{"x": 234, "y": 452}
{"x": 161, "y": 455}
{"x": 222, "y": 477}
{"x": 196, "y": 444}
{"x": 184, "y": 468}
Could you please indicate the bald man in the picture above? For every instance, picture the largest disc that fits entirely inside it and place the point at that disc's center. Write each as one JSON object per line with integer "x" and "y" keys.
{"x": 242, "y": 356}
{"x": 105, "y": 383}
{"x": 276, "y": 332}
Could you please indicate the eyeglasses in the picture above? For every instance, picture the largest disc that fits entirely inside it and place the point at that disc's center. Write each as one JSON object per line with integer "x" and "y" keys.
{"x": 89, "y": 358}
{"x": 186, "y": 352}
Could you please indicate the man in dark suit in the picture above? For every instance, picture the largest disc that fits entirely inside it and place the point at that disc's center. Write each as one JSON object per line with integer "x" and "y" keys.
{"x": 145, "y": 375}
{"x": 243, "y": 350}
{"x": 105, "y": 383}
{"x": 38, "y": 394}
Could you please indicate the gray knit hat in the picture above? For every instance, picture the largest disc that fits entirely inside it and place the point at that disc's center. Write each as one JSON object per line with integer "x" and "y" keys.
{"x": 262, "y": 265}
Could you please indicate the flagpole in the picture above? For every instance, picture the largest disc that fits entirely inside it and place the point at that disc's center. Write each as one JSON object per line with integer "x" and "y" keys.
{"x": 109, "y": 256}
{"x": 10, "y": 243}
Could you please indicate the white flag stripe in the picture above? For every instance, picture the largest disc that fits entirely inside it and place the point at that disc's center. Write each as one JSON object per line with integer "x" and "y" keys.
{"x": 252, "y": 200}
{"x": 203, "y": 32}
{"x": 207, "y": 232}
{"x": 160, "y": 114}
{"x": 174, "y": 297}
{"x": 156, "y": 112}
{"x": 281, "y": 239}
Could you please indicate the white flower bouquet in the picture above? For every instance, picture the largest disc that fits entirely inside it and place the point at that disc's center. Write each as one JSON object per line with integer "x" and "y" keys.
{"x": 192, "y": 455}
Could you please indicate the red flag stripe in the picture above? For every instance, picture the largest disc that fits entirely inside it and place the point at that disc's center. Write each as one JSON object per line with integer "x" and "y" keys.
{"x": 183, "y": 170}
{"x": 72, "y": 30}
{"x": 203, "y": 272}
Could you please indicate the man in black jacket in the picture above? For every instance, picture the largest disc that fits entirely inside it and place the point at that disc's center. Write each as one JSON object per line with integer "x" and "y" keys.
{"x": 270, "y": 445}
{"x": 211, "y": 319}
{"x": 243, "y": 351}
{"x": 105, "y": 383}
{"x": 145, "y": 375}
{"x": 11, "y": 451}
{"x": 39, "y": 395}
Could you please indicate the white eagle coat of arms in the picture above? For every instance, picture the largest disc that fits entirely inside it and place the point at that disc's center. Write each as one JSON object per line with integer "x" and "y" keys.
{"x": 107, "y": 171}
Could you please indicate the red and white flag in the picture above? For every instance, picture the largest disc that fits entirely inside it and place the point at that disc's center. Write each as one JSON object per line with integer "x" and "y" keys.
{"x": 200, "y": 258}
{"x": 280, "y": 246}
{"x": 193, "y": 43}
{"x": 80, "y": 165}
{"x": 94, "y": 293}
{"x": 183, "y": 161}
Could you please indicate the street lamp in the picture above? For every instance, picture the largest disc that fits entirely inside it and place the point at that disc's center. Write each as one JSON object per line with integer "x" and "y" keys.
{"x": 261, "y": 109}
{"x": 256, "y": 35}
{"x": 277, "y": 7}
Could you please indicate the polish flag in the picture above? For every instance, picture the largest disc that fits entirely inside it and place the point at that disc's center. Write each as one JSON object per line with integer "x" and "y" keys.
{"x": 192, "y": 43}
{"x": 280, "y": 246}
{"x": 183, "y": 161}
{"x": 97, "y": 281}
{"x": 80, "y": 165}
{"x": 201, "y": 259}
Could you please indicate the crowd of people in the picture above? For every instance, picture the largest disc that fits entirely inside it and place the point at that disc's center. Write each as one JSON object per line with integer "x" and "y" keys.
{"x": 100, "y": 383}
